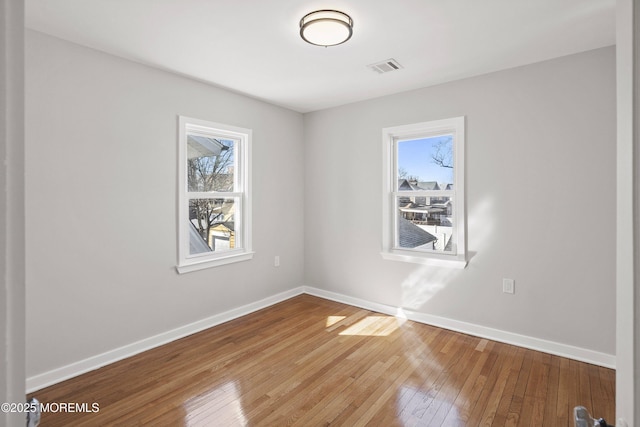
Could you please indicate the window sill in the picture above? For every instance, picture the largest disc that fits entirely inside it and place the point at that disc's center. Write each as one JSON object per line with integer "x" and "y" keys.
{"x": 209, "y": 263}
{"x": 450, "y": 261}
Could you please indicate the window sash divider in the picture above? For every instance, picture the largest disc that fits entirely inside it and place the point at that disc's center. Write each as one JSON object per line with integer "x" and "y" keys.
{"x": 213, "y": 195}
{"x": 426, "y": 193}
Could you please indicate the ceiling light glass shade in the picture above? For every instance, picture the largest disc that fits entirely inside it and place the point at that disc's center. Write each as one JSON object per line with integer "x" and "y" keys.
{"x": 326, "y": 27}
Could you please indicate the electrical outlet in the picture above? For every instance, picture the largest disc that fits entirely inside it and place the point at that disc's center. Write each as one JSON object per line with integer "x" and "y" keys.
{"x": 276, "y": 261}
{"x": 508, "y": 286}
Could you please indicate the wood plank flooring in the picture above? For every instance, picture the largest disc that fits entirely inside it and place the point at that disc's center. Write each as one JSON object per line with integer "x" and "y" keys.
{"x": 312, "y": 362}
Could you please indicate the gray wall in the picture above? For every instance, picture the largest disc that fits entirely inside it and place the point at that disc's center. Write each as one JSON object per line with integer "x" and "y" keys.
{"x": 101, "y": 150}
{"x": 541, "y": 203}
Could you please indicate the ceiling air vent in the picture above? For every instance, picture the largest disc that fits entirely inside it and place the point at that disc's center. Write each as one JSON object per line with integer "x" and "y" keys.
{"x": 385, "y": 66}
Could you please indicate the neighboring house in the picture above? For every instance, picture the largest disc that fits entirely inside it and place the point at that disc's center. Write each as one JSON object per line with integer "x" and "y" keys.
{"x": 404, "y": 185}
{"x": 428, "y": 185}
{"x": 421, "y": 213}
{"x": 412, "y": 236}
{"x": 414, "y": 185}
{"x": 222, "y": 236}
{"x": 425, "y": 209}
{"x": 200, "y": 146}
{"x": 434, "y": 186}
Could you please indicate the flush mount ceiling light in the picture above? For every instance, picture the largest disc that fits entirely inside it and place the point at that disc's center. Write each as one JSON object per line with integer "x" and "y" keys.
{"x": 326, "y": 27}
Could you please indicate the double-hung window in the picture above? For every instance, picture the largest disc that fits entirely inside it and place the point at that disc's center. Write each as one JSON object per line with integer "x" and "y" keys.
{"x": 423, "y": 193}
{"x": 214, "y": 204}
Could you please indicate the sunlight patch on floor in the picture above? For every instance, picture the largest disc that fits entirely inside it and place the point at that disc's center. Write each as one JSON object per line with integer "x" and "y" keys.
{"x": 374, "y": 326}
{"x": 220, "y": 406}
{"x": 332, "y": 320}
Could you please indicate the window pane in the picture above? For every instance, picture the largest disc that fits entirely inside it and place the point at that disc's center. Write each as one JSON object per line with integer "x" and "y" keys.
{"x": 425, "y": 223}
{"x": 210, "y": 163}
{"x": 212, "y": 225}
{"x": 425, "y": 164}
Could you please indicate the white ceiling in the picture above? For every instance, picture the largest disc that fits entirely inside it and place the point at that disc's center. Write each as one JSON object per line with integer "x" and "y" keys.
{"x": 253, "y": 47}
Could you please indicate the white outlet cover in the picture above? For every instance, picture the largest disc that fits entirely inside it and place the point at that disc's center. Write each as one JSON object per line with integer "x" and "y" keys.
{"x": 508, "y": 286}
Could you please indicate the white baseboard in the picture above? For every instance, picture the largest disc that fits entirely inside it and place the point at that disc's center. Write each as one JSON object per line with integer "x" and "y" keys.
{"x": 54, "y": 376}
{"x": 545, "y": 346}
{"x": 57, "y": 375}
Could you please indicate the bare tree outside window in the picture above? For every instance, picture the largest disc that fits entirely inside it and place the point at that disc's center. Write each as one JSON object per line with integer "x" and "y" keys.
{"x": 443, "y": 153}
{"x": 212, "y": 173}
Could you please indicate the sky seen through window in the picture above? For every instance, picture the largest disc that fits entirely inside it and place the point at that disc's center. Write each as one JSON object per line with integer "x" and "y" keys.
{"x": 416, "y": 158}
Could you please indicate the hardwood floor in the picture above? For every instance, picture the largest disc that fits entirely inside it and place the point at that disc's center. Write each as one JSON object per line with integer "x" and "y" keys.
{"x": 312, "y": 362}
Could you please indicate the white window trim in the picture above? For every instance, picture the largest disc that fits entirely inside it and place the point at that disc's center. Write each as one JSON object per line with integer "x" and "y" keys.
{"x": 390, "y": 136}
{"x": 186, "y": 262}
